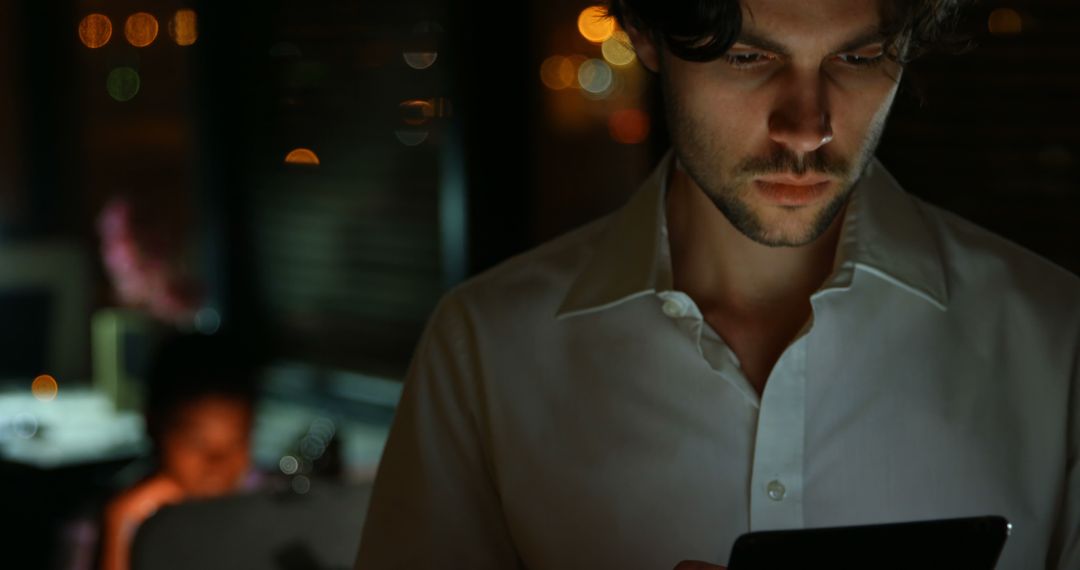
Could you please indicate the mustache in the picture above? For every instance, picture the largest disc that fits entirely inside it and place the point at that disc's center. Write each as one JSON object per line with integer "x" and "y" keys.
{"x": 784, "y": 161}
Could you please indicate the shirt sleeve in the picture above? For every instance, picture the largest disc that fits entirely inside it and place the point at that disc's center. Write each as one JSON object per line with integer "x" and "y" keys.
{"x": 1065, "y": 544}
{"x": 434, "y": 503}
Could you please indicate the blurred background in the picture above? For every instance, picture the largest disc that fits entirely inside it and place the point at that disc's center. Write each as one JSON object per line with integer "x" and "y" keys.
{"x": 311, "y": 177}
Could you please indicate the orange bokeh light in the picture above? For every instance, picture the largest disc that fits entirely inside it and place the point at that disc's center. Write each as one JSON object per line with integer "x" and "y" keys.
{"x": 183, "y": 28}
{"x": 95, "y": 30}
{"x": 141, "y": 29}
{"x": 44, "y": 388}
{"x": 1005, "y": 22}
{"x": 595, "y": 25}
{"x": 302, "y": 156}
{"x": 629, "y": 126}
{"x": 416, "y": 112}
{"x": 558, "y": 72}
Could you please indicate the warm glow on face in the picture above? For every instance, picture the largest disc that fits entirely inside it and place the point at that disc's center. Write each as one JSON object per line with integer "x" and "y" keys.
{"x": 302, "y": 156}
{"x": 95, "y": 30}
{"x": 206, "y": 450}
{"x": 595, "y": 25}
{"x": 141, "y": 29}
{"x": 183, "y": 27}
{"x": 44, "y": 388}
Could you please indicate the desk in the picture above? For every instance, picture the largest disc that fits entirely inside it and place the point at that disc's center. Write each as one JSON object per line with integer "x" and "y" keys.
{"x": 58, "y": 458}
{"x": 80, "y": 426}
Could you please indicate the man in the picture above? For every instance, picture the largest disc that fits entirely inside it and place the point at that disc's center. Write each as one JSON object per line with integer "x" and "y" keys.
{"x": 771, "y": 334}
{"x": 199, "y": 413}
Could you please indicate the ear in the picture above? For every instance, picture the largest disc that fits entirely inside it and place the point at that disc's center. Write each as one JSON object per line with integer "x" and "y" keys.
{"x": 646, "y": 48}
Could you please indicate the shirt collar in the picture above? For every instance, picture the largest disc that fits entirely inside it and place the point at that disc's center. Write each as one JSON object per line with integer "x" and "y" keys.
{"x": 884, "y": 233}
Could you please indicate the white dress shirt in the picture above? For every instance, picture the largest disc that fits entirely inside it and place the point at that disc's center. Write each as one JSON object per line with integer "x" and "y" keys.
{"x": 570, "y": 409}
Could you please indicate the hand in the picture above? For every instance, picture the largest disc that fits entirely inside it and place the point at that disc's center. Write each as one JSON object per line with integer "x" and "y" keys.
{"x": 698, "y": 565}
{"x": 126, "y": 512}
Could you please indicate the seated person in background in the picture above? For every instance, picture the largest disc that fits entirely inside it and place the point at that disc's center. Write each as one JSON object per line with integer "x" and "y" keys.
{"x": 199, "y": 409}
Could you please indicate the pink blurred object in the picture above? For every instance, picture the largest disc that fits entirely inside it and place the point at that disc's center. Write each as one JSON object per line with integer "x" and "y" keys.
{"x": 144, "y": 276}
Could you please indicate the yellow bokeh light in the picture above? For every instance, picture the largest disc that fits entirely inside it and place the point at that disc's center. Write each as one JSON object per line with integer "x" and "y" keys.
{"x": 302, "y": 156}
{"x": 141, "y": 29}
{"x": 618, "y": 50}
{"x": 1005, "y": 22}
{"x": 95, "y": 30}
{"x": 183, "y": 28}
{"x": 595, "y": 25}
{"x": 44, "y": 388}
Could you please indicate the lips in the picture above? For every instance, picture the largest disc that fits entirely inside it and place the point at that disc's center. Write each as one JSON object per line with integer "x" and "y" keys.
{"x": 792, "y": 191}
{"x": 789, "y": 180}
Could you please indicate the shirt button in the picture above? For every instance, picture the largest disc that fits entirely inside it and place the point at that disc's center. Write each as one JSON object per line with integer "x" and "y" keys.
{"x": 776, "y": 490}
{"x": 673, "y": 308}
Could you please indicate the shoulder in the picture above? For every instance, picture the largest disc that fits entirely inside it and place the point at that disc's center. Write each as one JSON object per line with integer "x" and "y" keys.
{"x": 980, "y": 263}
{"x": 530, "y": 285}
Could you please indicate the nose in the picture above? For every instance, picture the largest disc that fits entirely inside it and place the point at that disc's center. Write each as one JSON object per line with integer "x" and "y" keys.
{"x": 800, "y": 120}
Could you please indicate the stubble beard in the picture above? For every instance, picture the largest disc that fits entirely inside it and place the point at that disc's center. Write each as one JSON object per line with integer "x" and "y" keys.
{"x": 699, "y": 154}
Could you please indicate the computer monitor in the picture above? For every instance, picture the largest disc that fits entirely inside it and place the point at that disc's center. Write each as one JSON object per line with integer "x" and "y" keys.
{"x": 45, "y": 300}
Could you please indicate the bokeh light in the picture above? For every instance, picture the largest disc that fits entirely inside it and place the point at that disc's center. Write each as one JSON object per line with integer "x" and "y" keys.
{"x": 123, "y": 83}
{"x": 1005, "y": 22}
{"x": 25, "y": 425}
{"x": 207, "y": 320}
{"x": 595, "y": 76}
{"x": 629, "y": 126}
{"x": 95, "y": 30}
{"x": 301, "y": 484}
{"x": 141, "y": 29}
{"x": 288, "y": 465}
{"x": 323, "y": 428}
{"x": 302, "y": 156}
{"x": 558, "y": 72}
{"x": 618, "y": 50}
{"x": 44, "y": 388}
{"x": 183, "y": 27}
{"x": 595, "y": 25}
{"x": 420, "y": 59}
{"x": 411, "y": 137}
{"x": 416, "y": 111}
{"x": 423, "y": 47}
{"x": 312, "y": 447}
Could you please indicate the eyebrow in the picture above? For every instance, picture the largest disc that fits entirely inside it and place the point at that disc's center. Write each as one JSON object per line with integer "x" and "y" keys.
{"x": 761, "y": 42}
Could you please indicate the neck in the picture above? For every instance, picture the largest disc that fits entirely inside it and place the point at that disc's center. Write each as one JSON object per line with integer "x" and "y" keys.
{"x": 725, "y": 271}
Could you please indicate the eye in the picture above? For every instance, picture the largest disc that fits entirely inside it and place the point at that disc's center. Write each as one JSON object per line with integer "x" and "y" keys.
{"x": 853, "y": 59}
{"x": 862, "y": 58}
{"x": 747, "y": 59}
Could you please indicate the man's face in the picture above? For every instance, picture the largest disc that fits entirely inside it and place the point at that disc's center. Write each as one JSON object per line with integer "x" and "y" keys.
{"x": 206, "y": 450}
{"x": 778, "y": 130}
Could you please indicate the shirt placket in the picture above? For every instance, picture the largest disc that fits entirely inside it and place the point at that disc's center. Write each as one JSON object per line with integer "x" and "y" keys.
{"x": 776, "y": 493}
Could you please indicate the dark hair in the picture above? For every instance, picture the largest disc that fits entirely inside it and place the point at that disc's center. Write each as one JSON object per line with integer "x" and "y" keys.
{"x": 190, "y": 367}
{"x": 702, "y": 30}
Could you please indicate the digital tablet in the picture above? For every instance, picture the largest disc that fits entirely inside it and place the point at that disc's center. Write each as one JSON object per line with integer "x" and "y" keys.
{"x": 973, "y": 543}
